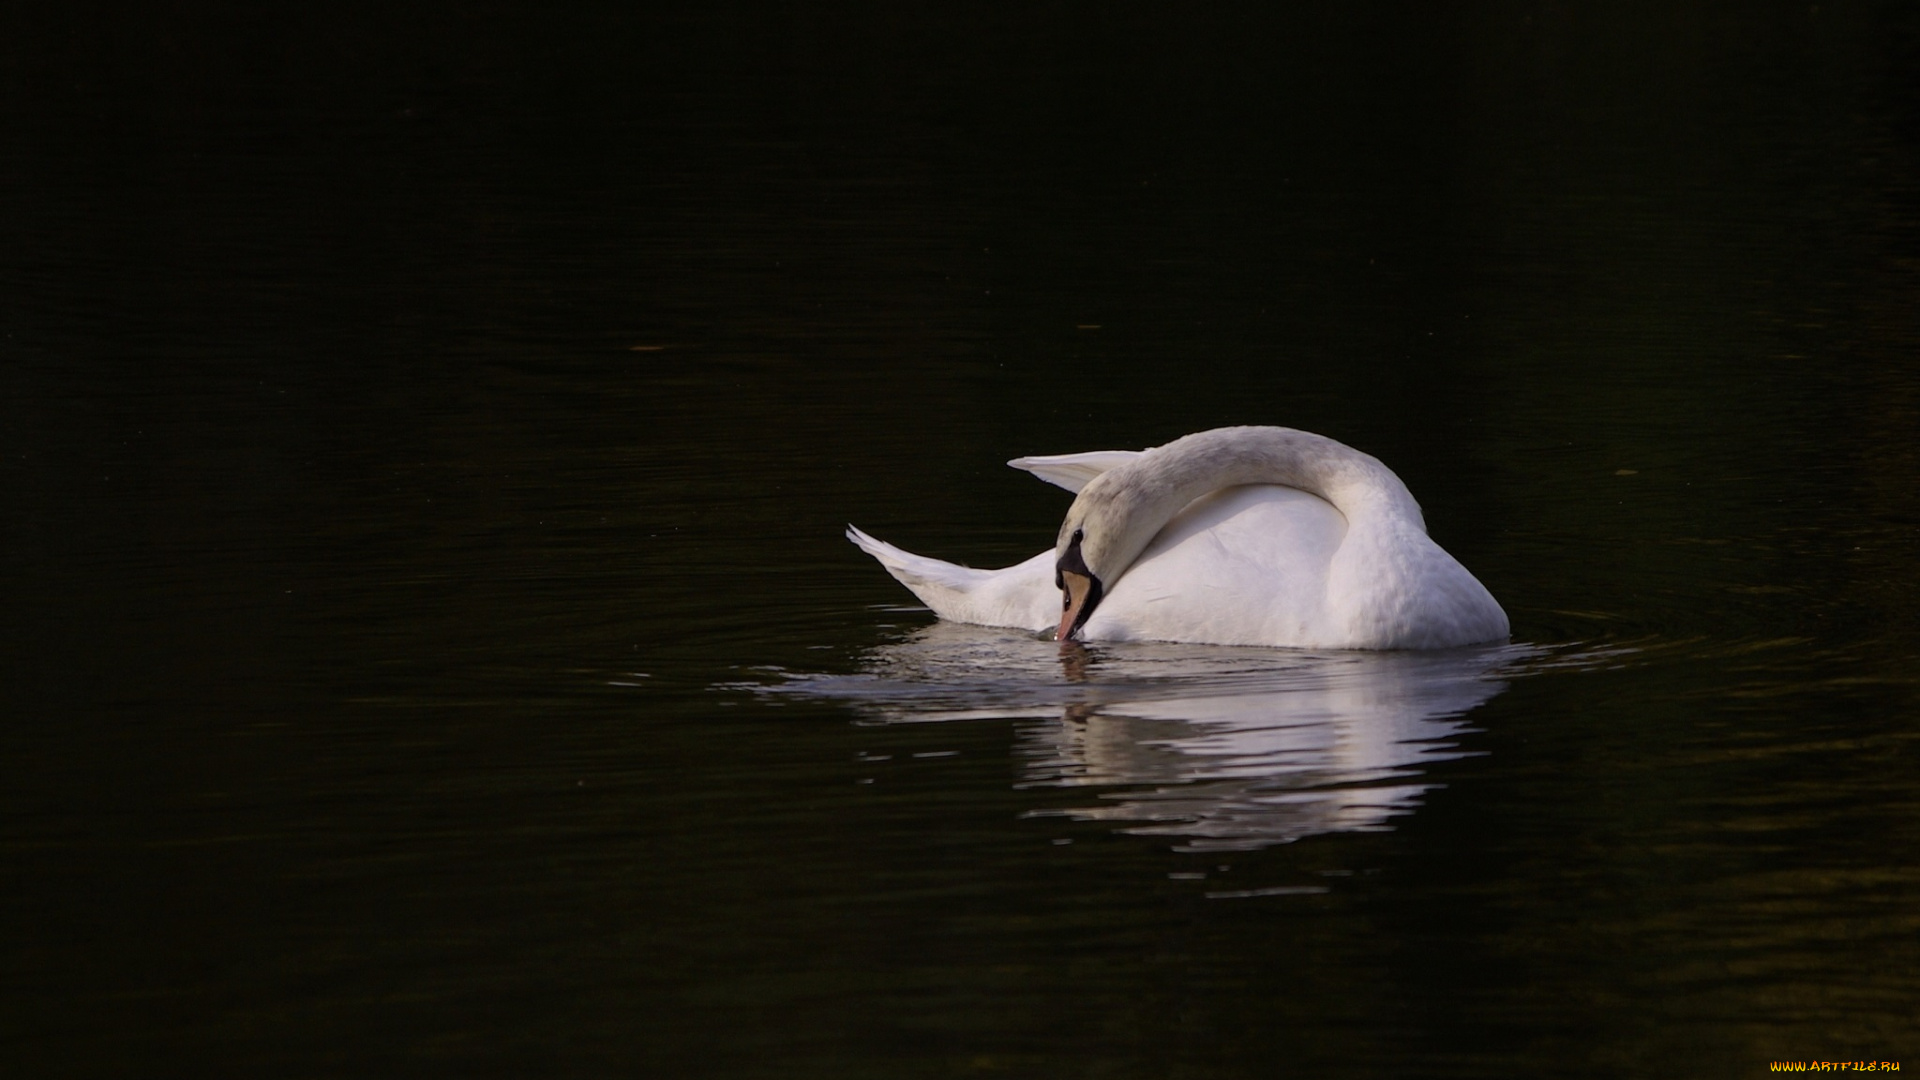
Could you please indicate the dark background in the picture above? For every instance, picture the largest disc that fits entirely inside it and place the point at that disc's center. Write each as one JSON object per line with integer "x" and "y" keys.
{"x": 412, "y": 419}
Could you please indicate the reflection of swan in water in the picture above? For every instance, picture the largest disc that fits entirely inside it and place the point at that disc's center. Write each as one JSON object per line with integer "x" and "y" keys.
{"x": 1227, "y": 748}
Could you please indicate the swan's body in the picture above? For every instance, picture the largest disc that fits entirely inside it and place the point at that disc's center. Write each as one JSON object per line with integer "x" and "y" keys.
{"x": 1236, "y": 536}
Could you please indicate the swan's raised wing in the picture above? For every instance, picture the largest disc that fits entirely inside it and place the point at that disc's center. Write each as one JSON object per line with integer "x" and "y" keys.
{"x": 1073, "y": 471}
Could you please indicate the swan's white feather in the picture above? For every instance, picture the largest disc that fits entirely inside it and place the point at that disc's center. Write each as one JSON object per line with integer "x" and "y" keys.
{"x": 1072, "y": 471}
{"x": 1021, "y": 595}
{"x": 1243, "y": 566}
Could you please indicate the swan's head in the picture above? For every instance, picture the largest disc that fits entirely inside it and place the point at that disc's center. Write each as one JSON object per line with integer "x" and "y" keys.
{"x": 1106, "y": 529}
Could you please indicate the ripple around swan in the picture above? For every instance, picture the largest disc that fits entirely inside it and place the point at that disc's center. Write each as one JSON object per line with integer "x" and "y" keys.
{"x": 1225, "y": 748}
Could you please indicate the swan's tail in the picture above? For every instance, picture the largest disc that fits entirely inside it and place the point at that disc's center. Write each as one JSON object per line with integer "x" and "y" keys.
{"x": 1021, "y": 595}
{"x": 926, "y": 577}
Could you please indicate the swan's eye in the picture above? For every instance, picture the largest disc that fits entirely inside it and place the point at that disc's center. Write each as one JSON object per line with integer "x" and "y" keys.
{"x": 1079, "y": 534}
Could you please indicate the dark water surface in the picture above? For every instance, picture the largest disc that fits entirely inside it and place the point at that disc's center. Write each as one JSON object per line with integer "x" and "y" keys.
{"x": 430, "y": 648}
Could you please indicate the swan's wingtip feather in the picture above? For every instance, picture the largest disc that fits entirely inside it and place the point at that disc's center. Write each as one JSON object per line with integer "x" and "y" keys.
{"x": 865, "y": 542}
{"x": 1073, "y": 471}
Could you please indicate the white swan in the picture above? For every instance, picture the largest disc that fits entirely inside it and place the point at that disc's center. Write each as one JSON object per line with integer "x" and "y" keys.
{"x": 1235, "y": 536}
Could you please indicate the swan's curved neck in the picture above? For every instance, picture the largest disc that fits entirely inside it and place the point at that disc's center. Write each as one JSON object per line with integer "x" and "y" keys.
{"x": 1121, "y": 510}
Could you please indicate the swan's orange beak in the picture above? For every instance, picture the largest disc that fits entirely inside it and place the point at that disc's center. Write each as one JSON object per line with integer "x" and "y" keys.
{"x": 1078, "y": 594}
